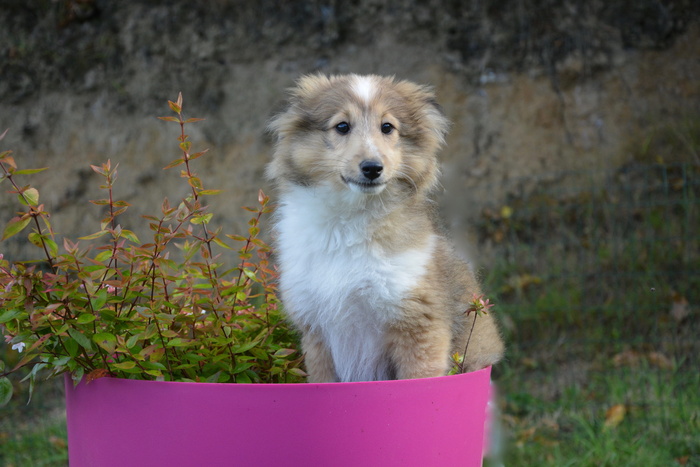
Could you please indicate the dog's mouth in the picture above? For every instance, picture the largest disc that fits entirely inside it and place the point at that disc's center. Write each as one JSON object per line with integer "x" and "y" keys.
{"x": 364, "y": 186}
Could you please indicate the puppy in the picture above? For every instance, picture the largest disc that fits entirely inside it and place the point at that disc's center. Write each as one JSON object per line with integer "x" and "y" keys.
{"x": 375, "y": 290}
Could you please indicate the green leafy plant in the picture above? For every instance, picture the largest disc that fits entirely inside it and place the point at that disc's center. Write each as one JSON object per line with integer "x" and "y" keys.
{"x": 169, "y": 309}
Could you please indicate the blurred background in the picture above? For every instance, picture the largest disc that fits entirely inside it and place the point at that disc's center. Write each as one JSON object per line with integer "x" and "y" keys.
{"x": 571, "y": 175}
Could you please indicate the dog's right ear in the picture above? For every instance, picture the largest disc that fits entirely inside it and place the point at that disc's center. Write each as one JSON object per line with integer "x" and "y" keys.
{"x": 293, "y": 120}
{"x": 296, "y": 116}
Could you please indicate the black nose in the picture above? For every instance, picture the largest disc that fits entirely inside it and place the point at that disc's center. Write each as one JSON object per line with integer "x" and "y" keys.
{"x": 371, "y": 169}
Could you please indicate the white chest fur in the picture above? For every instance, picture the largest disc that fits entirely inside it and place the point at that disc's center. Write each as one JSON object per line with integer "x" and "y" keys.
{"x": 336, "y": 281}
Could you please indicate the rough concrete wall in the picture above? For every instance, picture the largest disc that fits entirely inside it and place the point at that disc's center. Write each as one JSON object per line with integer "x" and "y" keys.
{"x": 533, "y": 87}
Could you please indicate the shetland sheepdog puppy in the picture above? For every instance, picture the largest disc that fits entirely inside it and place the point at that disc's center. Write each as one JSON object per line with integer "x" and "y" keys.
{"x": 375, "y": 290}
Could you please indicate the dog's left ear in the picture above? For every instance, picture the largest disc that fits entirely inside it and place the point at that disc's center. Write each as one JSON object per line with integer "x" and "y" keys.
{"x": 429, "y": 121}
{"x": 435, "y": 118}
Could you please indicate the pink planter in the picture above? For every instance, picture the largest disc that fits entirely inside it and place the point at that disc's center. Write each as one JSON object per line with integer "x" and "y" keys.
{"x": 424, "y": 422}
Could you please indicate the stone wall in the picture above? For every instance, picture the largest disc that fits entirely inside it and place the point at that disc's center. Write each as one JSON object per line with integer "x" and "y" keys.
{"x": 533, "y": 87}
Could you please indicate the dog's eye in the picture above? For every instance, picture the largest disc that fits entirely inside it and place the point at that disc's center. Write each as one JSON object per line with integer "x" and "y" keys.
{"x": 387, "y": 128}
{"x": 342, "y": 128}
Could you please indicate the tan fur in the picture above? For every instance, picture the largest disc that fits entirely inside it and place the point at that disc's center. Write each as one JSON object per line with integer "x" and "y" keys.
{"x": 431, "y": 323}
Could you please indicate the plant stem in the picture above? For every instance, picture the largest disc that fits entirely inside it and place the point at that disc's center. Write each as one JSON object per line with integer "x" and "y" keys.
{"x": 92, "y": 310}
{"x": 212, "y": 273}
{"x": 34, "y": 216}
{"x": 464, "y": 357}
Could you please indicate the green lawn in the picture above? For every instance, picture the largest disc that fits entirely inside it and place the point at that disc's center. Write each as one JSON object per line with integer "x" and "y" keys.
{"x": 599, "y": 288}
{"x": 34, "y": 434}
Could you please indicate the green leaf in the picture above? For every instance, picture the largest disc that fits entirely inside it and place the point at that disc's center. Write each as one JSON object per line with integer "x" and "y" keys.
{"x": 103, "y": 256}
{"x": 170, "y": 119}
{"x": 61, "y": 361}
{"x": 204, "y": 219}
{"x": 99, "y": 299}
{"x": 129, "y": 235}
{"x": 242, "y": 366}
{"x": 86, "y": 318}
{"x": 41, "y": 240}
{"x": 250, "y": 274}
{"x": 52, "y": 246}
{"x": 5, "y": 391}
{"x": 245, "y": 347}
{"x": 195, "y": 182}
{"x": 7, "y": 315}
{"x": 284, "y": 352}
{"x": 100, "y": 202}
{"x": 199, "y": 154}
{"x": 15, "y": 226}
{"x": 106, "y": 340}
{"x": 221, "y": 243}
{"x": 132, "y": 341}
{"x": 77, "y": 375}
{"x": 95, "y": 235}
{"x": 214, "y": 378}
{"x": 71, "y": 346}
{"x": 29, "y": 197}
{"x": 124, "y": 365}
{"x": 243, "y": 378}
{"x": 80, "y": 338}
{"x": 29, "y": 171}
{"x": 178, "y": 342}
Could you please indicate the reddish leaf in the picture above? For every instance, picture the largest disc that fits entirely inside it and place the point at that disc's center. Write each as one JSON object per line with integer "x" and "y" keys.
{"x": 99, "y": 170}
{"x": 175, "y": 107}
{"x": 174, "y": 163}
{"x": 96, "y": 374}
{"x": 195, "y": 182}
{"x": 100, "y": 202}
{"x": 199, "y": 154}
{"x": 185, "y": 146}
{"x": 6, "y": 158}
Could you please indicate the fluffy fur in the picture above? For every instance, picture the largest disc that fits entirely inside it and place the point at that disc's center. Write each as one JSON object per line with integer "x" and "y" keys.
{"x": 376, "y": 291}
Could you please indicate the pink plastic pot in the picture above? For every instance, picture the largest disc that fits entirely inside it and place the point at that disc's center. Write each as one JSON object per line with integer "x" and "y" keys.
{"x": 423, "y": 422}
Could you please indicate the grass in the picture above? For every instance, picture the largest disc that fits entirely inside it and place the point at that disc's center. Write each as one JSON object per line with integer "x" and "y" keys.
{"x": 657, "y": 422}
{"x": 597, "y": 287}
{"x": 35, "y": 433}
{"x": 599, "y": 372}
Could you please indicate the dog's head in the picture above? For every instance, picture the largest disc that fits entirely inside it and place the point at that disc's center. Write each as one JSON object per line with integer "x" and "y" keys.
{"x": 362, "y": 133}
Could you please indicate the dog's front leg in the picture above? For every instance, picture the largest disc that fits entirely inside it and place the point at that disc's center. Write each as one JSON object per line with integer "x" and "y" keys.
{"x": 318, "y": 359}
{"x": 419, "y": 348}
